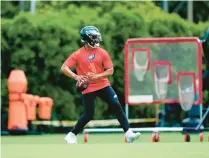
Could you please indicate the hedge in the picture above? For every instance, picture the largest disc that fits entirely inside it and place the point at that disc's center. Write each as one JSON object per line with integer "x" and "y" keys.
{"x": 39, "y": 45}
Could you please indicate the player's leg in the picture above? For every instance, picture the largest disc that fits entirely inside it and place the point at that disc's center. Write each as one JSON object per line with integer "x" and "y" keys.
{"x": 89, "y": 104}
{"x": 109, "y": 96}
{"x": 88, "y": 114}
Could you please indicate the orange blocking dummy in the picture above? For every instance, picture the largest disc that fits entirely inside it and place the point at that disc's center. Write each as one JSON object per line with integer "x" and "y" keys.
{"x": 30, "y": 102}
{"x": 17, "y": 84}
{"x": 45, "y": 107}
{"x": 14, "y": 96}
{"x": 17, "y": 116}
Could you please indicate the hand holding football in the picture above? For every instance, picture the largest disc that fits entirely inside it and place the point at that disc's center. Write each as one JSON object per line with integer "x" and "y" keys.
{"x": 82, "y": 84}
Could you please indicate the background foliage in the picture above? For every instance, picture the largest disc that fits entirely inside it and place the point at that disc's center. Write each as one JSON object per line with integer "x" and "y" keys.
{"x": 39, "y": 45}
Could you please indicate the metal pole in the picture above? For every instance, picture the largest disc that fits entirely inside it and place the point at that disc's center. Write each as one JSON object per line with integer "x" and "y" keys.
{"x": 190, "y": 11}
{"x": 165, "y": 6}
{"x": 32, "y": 6}
{"x": 157, "y": 114}
{"x": 201, "y": 110}
{"x": 22, "y": 6}
{"x": 126, "y": 109}
{"x": 200, "y": 123}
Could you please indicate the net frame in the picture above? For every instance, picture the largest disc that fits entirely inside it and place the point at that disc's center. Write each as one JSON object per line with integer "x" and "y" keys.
{"x": 142, "y": 69}
{"x": 161, "y": 40}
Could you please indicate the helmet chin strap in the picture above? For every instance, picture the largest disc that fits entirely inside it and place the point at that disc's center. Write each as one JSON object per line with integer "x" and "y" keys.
{"x": 95, "y": 46}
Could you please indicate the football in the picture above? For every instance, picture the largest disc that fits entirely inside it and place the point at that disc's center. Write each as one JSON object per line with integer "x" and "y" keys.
{"x": 82, "y": 85}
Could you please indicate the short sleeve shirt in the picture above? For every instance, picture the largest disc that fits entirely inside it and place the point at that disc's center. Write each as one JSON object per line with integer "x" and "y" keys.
{"x": 95, "y": 61}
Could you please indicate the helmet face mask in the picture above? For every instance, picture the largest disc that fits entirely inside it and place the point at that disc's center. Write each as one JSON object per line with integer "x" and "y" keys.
{"x": 91, "y": 36}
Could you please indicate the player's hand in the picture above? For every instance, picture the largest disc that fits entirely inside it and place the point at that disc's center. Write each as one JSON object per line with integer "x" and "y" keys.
{"x": 80, "y": 78}
{"x": 93, "y": 76}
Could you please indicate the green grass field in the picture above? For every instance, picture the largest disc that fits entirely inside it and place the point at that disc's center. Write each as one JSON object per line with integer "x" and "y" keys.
{"x": 104, "y": 146}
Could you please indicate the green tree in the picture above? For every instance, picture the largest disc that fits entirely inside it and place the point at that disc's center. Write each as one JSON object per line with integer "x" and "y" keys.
{"x": 39, "y": 45}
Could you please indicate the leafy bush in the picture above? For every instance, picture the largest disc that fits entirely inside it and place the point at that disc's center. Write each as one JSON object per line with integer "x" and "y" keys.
{"x": 40, "y": 44}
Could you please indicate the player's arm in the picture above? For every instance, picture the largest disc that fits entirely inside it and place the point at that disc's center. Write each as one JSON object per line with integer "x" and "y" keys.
{"x": 107, "y": 72}
{"x": 108, "y": 65}
{"x": 69, "y": 63}
{"x": 68, "y": 72}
